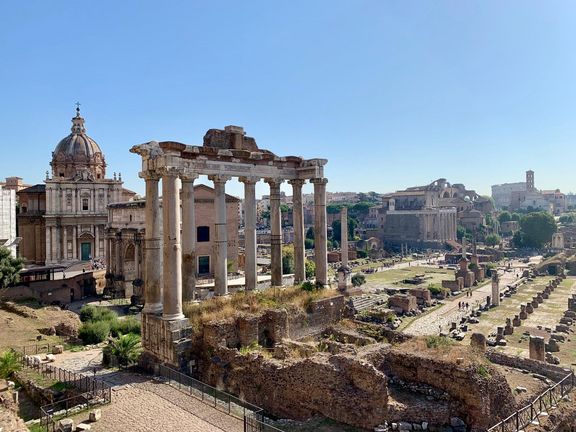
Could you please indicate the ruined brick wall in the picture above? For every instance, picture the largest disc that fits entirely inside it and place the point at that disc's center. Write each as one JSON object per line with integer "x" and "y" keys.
{"x": 340, "y": 387}
{"x": 402, "y": 303}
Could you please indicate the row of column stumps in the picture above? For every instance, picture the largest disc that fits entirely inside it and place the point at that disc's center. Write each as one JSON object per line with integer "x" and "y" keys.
{"x": 178, "y": 252}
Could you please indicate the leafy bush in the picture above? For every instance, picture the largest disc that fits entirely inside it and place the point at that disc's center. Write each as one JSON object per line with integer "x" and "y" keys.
{"x": 94, "y": 332}
{"x": 9, "y": 363}
{"x": 124, "y": 326}
{"x": 434, "y": 289}
{"x": 310, "y": 268}
{"x": 308, "y": 286}
{"x": 358, "y": 279}
{"x": 90, "y": 313}
{"x": 127, "y": 349}
{"x": 483, "y": 371}
{"x": 361, "y": 254}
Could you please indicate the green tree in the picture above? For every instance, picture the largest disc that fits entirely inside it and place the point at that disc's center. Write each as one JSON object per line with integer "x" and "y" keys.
{"x": 518, "y": 239}
{"x": 460, "y": 232}
{"x": 337, "y": 229}
{"x": 308, "y": 243}
{"x": 505, "y": 216}
{"x": 9, "y": 268}
{"x": 333, "y": 208}
{"x": 537, "y": 229}
{"x": 285, "y": 208}
{"x": 361, "y": 209}
{"x": 515, "y": 217}
{"x": 493, "y": 240}
{"x": 567, "y": 218}
{"x": 358, "y": 279}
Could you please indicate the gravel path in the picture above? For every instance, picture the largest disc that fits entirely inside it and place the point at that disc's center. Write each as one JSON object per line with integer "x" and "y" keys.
{"x": 430, "y": 323}
{"x": 142, "y": 404}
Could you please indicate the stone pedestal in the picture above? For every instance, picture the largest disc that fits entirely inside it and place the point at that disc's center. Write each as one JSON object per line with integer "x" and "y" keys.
{"x": 529, "y": 308}
{"x": 509, "y": 329}
{"x": 499, "y": 334}
{"x": 167, "y": 341}
{"x": 537, "y": 348}
{"x": 344, "y": 278}
{"x": 516, "y": 322}
{"x": 523, "y": 314}
{"x": 478, "y": 341}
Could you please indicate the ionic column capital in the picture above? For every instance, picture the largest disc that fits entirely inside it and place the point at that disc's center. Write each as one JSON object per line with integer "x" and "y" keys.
{"x": 249, "y": 180}
{"x": 319, "y": 181}
{"x": 297, "y": 183}
{"x": 150, "y": 175}
{"x": 219, "y": 178}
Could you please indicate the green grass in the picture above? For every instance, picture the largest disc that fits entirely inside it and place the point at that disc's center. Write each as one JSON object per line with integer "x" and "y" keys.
{"x": 434, "y": 342}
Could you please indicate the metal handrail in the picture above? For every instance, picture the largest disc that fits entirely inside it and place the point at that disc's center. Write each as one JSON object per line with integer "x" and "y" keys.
{"x": 520, "y": 419}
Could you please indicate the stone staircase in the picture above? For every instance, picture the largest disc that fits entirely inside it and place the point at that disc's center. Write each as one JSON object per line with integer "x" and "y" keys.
{"x": 368, "y": 301}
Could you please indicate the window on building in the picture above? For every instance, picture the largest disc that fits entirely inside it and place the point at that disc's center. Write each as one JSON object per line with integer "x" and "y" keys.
{"x": 84, "y": 203}
{"x": 203, "y": 265}
{"x": 203, "y": 234}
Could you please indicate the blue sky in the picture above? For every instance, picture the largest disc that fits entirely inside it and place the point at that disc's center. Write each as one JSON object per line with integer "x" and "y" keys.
{"x": 392, "y": 93}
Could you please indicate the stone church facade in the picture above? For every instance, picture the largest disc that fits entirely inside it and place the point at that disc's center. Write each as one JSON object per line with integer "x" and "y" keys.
{"x": 77, "y": 196}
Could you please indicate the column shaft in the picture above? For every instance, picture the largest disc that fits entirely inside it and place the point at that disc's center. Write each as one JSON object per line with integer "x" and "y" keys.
{"x": 119, "y": 251}
{"x": 65, "y": 242}
{"x": 220, "y": 237}
{"x": 298, "y": 224}
{"x": 275, "y": 232}
{"x": 153, "y": 258}
{"x": 172, "y": 265}
{"x": 250, "y": 244}
{"x": 320, "y": 231}
{"x": 344, "y": 235}
{"x": 188, "y": 240}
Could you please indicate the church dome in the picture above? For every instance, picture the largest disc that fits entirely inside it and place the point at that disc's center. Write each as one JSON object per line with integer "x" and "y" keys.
{"x": 78, "y": 155}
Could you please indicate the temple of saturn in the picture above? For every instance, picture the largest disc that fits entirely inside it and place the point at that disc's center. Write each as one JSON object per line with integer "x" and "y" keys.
{"x": 170, "y": 261}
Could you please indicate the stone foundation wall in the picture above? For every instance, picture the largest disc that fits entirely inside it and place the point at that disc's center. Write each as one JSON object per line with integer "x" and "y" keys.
{"x": 402, "y": 303}
{"x": 340, "y": 387}
{"x": 555, "y": 373}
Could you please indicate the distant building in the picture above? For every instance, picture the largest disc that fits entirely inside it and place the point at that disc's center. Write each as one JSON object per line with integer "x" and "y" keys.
{"x": 570, "y": 201}
{"x": 77, "y": 196}
{"x": 8, "y": 219}
{"x": 31, "y": 224}
{"x": 525, "y": 196}
{"x": 14, "y": 183}
{"x": 125, "y": 237}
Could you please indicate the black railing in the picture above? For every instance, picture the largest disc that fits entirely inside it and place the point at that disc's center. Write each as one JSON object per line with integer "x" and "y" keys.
{"x": 92, "y": 391}
{"x": 541, "y": 404}
{"x": 252, "y": 415}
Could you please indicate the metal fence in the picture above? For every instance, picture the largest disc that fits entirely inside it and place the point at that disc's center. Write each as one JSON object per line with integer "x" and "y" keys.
{"x": 45, "y": 348}
{"x": 252, "y": 415}
{"x": 92, "y": 391}
{"x": 542, "y": 404}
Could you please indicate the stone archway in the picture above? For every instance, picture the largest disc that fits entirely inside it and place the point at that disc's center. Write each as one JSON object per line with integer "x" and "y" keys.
{"x": 129, "y": 262}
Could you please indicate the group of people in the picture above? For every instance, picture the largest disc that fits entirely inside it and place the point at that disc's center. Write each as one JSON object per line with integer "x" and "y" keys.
{"x": 463, "y": 306}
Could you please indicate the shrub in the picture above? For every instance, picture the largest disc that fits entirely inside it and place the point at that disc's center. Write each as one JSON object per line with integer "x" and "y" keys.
{"x": 358, "y": 279}
{"x": 9, "y": 363}
{"x": 94, "y": 332}
{"x": 90, "y": 313}
{"x": 438, "y": 341}
{"x": 483, "y": 371}
{"x": 127, "y": 348}
{"x": 308, "y": 286}
{"x": 124, "y": 326}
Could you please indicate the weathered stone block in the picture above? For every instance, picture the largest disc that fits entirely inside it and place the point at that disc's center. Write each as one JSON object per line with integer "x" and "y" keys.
{"x": 57, "y": 349}
{"x": 537, "y": 348}
{"x": 95, "y": 415}
{"x": 65, "y": 425}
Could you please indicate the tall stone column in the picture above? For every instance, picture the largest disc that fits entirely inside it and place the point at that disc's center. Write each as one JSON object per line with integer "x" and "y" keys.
{"x": 188, "y": 239}
{"x": 250, "y": 244}
{"x": 221, "y": 236}
{"x": 298, "y": 224}
{"x": 107, "y": 254}
{"x": 172, "y": 264}
{"x": 56, "y": 241}
{"x": 153, "y": 283}
{"x": 275, "y": 232}
{"x": 344, "y": 235}
{"x": 320, "y": 231}
{"x": 495, "y": 288}
{"x": 74, "y": 243}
